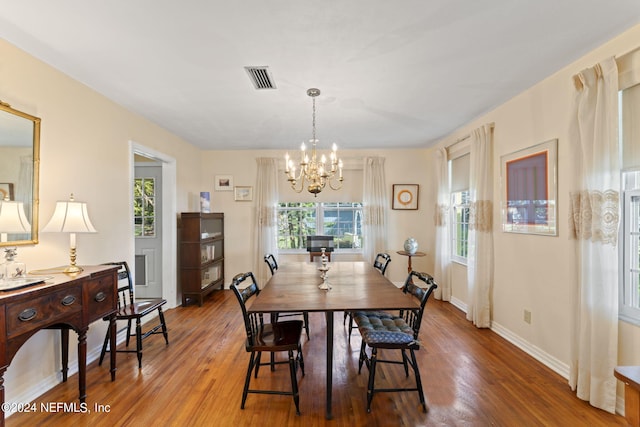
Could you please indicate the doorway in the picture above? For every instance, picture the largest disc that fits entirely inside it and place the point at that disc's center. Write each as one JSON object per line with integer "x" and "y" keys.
{"x": 155, "y": 268}
{"x": 147, "y": 221}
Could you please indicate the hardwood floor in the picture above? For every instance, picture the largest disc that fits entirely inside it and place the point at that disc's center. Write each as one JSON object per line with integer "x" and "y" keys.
{"x": 471, "y": 377}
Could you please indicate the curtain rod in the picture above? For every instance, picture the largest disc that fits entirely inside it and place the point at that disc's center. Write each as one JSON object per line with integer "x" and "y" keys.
{"x": 467, "y": 136}
{"x": 627, "y": 53}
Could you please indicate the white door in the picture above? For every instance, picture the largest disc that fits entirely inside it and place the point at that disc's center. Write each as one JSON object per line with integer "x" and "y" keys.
{"x": 147, "y": 207}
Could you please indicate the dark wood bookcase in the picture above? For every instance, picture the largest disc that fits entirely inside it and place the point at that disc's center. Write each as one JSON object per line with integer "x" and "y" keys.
{"x": 201, "y": 255}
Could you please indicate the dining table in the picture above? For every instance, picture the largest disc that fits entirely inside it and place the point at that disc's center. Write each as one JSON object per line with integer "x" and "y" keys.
{"x": 353, "y": 286}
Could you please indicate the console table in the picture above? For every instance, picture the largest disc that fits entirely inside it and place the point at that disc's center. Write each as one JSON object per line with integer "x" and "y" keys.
{"x": 62, "y": 302}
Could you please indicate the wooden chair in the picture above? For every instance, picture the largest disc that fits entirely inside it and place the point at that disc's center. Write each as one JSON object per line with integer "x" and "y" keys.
{"x": 268, "y": 337}
{"x": 273, "y": 267}
{"x": 394, "y": 333}
{"x": 130, "y": 310}
{"x": 380, "y": 263}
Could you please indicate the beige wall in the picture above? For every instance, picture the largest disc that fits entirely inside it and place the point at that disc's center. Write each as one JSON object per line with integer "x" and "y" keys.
{"x": 85, "y": 150}
{"x": 537, "y": 273}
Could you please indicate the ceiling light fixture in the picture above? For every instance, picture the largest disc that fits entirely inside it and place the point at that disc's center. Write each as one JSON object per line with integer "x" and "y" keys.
{"x": 314, "y": 173}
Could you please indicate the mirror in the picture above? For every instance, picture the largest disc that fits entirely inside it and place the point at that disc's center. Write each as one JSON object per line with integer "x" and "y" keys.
{"x": 19, "y": 169}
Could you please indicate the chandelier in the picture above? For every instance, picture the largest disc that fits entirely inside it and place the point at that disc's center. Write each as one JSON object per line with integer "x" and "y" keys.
{"x": 314, "y": 173}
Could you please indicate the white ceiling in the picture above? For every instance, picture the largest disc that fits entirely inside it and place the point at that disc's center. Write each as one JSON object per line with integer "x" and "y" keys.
{"x": 392, "y": 73}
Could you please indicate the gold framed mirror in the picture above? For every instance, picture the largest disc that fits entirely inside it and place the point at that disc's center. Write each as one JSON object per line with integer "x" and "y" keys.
{"x": 19, "y": 174}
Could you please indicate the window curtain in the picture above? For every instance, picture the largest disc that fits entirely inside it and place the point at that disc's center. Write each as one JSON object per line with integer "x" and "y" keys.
{"x": 374, "y": 202}
{"x": 594, "y": 219}
{"x": 442, "y": 221}
{"x": 266, "y": 216}
{"x": 480, "y": 245}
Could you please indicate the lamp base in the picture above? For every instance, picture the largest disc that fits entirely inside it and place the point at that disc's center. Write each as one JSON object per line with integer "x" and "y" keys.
{"x": 73, "y": 269}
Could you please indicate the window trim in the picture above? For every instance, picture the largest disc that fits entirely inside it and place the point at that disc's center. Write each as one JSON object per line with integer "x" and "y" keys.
{"x": 320, "y": 208}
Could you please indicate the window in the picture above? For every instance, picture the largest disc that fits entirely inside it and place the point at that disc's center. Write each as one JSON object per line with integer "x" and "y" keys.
{"x": 144, "y": 213}
{"x": 629, "y": 241}
{"x": 459, "y": 225}
{"x": 630, "y": 245}
{"x": 296, "y": 221}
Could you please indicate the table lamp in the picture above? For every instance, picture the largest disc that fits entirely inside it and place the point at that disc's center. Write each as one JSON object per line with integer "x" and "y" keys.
{"x": 12, "y": 220}
{"x": 70, "y": 217}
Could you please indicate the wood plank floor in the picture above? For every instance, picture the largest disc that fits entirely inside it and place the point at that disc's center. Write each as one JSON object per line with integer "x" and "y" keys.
{"x": 471, "y": 378}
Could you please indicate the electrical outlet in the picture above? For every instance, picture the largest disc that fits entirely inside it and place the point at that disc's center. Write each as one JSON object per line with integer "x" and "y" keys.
{"x": 527, "y": 316}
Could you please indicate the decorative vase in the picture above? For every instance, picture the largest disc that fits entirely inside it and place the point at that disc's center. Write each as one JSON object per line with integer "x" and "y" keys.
{"x": 411, "y": 245}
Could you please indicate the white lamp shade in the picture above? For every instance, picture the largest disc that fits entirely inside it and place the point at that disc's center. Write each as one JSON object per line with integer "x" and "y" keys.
{"x": 70, "y": 217}
{"x": 13, "y": 218}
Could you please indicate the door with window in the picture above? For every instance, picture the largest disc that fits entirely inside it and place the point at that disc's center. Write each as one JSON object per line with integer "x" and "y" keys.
{"x": 147, "y": 203}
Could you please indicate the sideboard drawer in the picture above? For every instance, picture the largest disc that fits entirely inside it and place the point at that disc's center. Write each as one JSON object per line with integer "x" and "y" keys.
{"x": 42, "y": 310}
{"x": 101, "y": 297}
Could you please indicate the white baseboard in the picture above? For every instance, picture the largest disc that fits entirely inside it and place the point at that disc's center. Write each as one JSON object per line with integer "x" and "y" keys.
{"x": 541, "y": 356}
{"x": 53, "y": 380}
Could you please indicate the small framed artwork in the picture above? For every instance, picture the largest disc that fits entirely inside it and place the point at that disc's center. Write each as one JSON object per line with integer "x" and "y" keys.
{"x": 529, "y": 185}
{"x": 6, "y": 190}
{"x": 243, "y": 194}
{"x": 223, "y": 183}
{"x": 405, "y": 196}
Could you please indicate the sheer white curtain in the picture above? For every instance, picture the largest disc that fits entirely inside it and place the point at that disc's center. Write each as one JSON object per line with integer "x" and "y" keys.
{"x": 480, "y": 246}
{"x": 443, "y": 233}
{"x": 374, "y": 201}
{"x": 266, "y": 195}
{"x": 594, "y": 220}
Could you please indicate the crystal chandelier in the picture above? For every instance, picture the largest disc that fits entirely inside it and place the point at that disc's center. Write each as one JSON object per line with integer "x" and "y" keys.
{"x": 314, "y": 173}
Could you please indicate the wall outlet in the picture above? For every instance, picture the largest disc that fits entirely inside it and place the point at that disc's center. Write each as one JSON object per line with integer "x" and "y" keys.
{"x": 527, "y": 316}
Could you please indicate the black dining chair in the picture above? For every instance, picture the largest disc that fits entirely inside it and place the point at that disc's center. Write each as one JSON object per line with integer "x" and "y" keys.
{"x": 380, "y": 331}
{"x": 380, "y": 263}
{"x": 267, "y": 337}
{"x": 273, "y": 267}
{"x": 130, "y": 309}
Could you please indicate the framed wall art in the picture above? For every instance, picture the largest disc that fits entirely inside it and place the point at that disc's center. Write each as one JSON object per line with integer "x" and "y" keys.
{"x": 223, "y": 183}
{"x": 405, "y": 197}
{"x": 243, "y": 194}
{"x": 529, "y": 186}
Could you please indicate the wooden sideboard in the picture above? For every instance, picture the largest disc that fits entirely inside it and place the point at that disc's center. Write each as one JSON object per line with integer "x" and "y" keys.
{"x": 62, "y": 302}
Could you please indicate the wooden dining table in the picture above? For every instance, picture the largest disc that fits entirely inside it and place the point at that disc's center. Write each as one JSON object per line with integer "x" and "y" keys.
{"x": 354, "y": 286}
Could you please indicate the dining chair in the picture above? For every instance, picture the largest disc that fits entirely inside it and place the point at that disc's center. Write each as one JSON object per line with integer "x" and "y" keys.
{"x": 130, "y": 309}
{"x": 273, "y": 267}
{"x": 395, "y": 333}
{"x": 380, "y": 263}
{"x": 267, "y": 337}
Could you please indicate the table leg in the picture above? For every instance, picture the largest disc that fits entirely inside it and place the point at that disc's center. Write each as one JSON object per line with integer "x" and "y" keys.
{"x": 329, "y": 315}
{"x": 409, "y": 268}
{"x": 2, "y": 371}
{"x": 82, "y": 364}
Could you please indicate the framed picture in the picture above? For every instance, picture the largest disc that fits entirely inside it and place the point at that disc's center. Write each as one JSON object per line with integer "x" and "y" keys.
{"x": 6, "y": 190}
{"x": 529, "y": 186}
{"x": 405, "y": 196}
{"x": 223, "y": 183}
{"x": 243, "y": 194}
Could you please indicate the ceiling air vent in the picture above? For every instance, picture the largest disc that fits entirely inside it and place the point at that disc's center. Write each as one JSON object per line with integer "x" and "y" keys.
{"x": 260, "y": 77}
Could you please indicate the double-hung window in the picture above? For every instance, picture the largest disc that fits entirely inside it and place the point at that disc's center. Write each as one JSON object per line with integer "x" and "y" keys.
{"x": 629, "y": 241}
{"x": 459, "y": 204}
{"x": 459, "y": 225}
{"x": 630, "y": 248}
{"x": 296, "y": 221}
